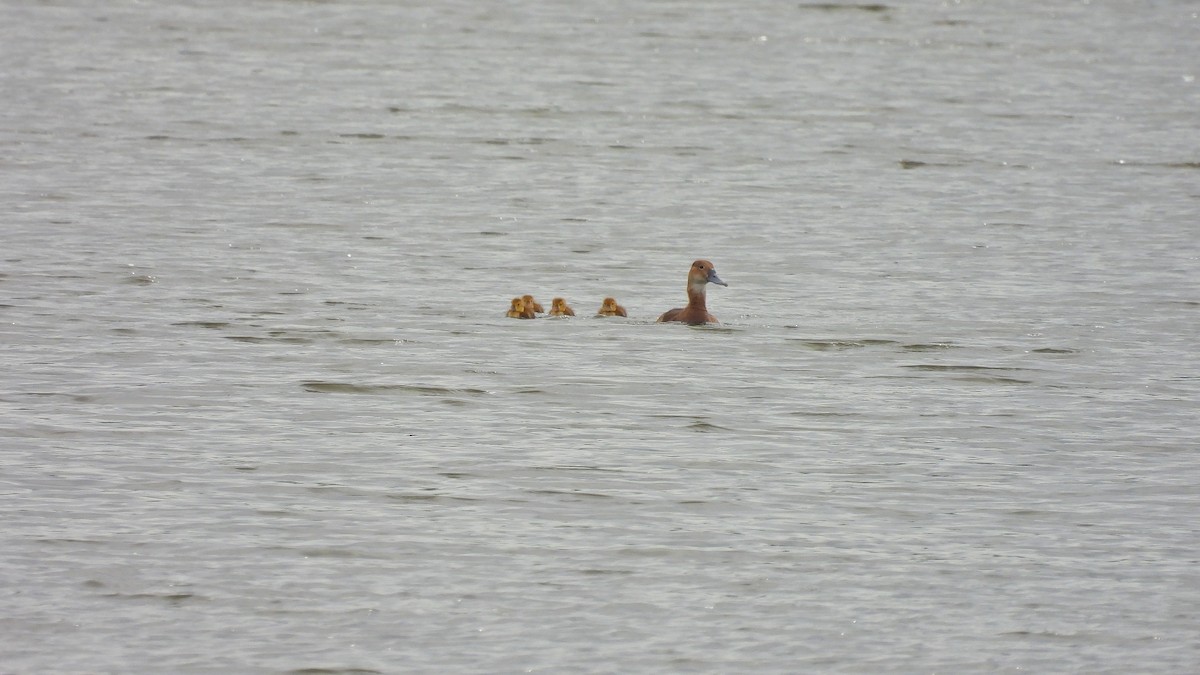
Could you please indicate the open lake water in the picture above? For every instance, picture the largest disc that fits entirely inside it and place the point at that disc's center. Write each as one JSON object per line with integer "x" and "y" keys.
{"x": 261, "y": 411}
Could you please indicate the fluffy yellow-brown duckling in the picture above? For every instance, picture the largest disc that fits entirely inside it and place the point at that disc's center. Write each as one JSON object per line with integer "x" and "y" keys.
{"x": 518, "y": 310}
{"x": 611, "y": 308}
{"x": 558, "y": 307}
{"x": 532, "y": 304}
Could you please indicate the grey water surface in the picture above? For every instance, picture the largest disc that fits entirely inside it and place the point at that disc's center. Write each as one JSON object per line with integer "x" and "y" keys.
{"x": 261, "y": 411}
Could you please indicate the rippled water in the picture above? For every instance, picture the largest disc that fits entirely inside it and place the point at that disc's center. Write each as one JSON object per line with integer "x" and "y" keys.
{"x": 261, "y": 410}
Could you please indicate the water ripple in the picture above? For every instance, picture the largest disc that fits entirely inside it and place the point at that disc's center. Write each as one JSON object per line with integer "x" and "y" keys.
{"x": 326, "y": 387}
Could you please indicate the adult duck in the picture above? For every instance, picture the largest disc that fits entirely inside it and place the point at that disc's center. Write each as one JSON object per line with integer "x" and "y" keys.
{"x": 700, "y": 276}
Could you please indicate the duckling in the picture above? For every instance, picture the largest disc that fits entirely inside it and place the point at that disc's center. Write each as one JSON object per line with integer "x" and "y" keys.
{"x": 558, "y": 307}
{"x": 533, "y": 304}
{"x": 518, "y": 310}
{"x": 611, "y": 308}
